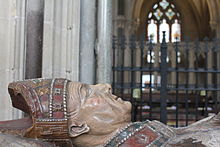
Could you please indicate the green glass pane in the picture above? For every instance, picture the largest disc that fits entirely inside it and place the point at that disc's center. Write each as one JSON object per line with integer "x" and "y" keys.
{"x": 158, "y": 14}
{"x": 170, "y": 14}
{"x": 164, "y": 4}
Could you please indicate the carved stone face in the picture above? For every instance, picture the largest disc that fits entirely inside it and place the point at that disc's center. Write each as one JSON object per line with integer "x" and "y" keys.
{"x": 97, "y": 107}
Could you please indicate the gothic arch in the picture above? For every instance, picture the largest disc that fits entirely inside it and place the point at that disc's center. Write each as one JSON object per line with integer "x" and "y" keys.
{"x": 214, "y": 15}
{"x": 194, "y": 25}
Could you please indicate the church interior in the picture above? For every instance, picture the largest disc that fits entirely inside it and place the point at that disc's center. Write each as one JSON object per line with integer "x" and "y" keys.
{"x": 191, "y": 53}
{"x": 91, "y": 42}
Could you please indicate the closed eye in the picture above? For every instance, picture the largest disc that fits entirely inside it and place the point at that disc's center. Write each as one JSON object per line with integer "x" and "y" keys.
{"x": 86, "y": 91}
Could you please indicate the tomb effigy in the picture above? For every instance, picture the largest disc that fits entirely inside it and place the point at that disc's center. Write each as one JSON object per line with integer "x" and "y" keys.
{"x": 75, "y": 114}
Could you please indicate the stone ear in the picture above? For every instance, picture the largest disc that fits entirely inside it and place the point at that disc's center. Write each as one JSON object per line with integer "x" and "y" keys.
{"x": 76, "y": 130}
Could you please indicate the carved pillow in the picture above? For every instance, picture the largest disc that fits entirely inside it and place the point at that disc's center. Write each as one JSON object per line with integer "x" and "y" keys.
{"x": 45, "y": 100}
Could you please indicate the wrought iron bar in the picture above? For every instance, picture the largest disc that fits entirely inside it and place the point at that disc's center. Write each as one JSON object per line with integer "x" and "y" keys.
{"x": 141, "y": 46}
{"x": 197, "y": 78}
{"x": 188, "y": 96}
{"x": 121, "y": 50}
{"x": 215, "y": 75}
{"x": 163, "y": 89}
{"x": 186, "y": 86}
{"x": 206, "y": 50}
{"x": 114, "y": 39}
{"x": 147, "y": 69}
{"x": 150, "y": 84}
{"x": 177, "y": 84}
{"x": 132, "y": 49}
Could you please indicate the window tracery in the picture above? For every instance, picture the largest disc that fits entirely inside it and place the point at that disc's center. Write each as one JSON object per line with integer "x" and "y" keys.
{"x": 164, "y": 17}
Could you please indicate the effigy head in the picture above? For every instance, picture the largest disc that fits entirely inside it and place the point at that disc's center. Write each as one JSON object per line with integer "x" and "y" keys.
{"x": 93, "y": 109}
{"x": 61, "y": 109}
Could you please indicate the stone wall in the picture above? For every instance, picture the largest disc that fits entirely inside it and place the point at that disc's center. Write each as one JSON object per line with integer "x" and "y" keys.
{"x": 12, "y": 51}
{"x": 63, "y": 52}
{"x": 61, "y": 39}
{"x": 60, "y": 50}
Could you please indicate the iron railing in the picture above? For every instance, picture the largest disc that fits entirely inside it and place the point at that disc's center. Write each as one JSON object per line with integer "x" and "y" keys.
{"x": 176, "y": 83}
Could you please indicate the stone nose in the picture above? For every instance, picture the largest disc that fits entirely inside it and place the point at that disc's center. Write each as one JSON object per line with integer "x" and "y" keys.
{"x": 103, "y": 88}
{"x": 107, "y": 88}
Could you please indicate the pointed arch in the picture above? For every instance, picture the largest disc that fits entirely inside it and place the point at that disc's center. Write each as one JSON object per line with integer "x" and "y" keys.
{"x": 189, "y": 15}
{"x": 167, "y": 18}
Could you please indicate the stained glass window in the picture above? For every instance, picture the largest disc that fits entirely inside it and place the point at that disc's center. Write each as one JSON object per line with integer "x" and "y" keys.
{"x": 164, "y": 4}
{"x": 155, "y": 6}
{"x": 178, "y": 14}
{"x": 158, "y": 14}
{"x": 176, "y": 32}
{"x": 150, "y": 15}
{"x": 170, "y": 13}
{"x": 152, "y": 31}
{"x": 164, "y": 27}
{"x": 164, "y": 17}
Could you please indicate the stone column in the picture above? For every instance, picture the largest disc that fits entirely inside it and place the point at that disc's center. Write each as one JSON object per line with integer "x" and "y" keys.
{"x": 87, "y": 41}
{"x": 191, "y": 66}
{"x": 214, "y": 23}
{"x": 34, "y": 38}
{"x": 61, "y": 39}
{"x": 104, "y": 44}
{"x": 18, "y": 57}
{"x": 12, "y": 14}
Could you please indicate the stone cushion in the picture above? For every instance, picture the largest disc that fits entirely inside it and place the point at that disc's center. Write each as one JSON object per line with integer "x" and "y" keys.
{"x": 45, "y": 100}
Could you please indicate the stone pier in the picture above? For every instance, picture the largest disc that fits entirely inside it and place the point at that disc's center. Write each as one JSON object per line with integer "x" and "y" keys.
{"x": 104, "y": 44}
{"x": 87, "y": 41}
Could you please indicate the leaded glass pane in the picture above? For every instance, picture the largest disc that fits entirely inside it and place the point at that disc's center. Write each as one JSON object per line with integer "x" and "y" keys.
{"x": 152, "y": 31}
{"x": 164, "y": 27}
{"x": 176, "y": 32}
{"x": 178, "y": 14}
{"x": 170, "y": 14}
{"x": 155, "y": 6}
{"x": 164, "y": 4}
{"x": 158, "y": 14}
{"x": 150, "y": 15}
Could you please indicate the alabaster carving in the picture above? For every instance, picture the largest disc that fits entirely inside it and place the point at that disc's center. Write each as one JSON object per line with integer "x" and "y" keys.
{"x": 74, "y": 114}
